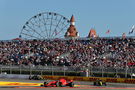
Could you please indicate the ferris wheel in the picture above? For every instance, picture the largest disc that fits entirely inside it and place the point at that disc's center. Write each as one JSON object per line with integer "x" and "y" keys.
{"x": 47, "y": 25}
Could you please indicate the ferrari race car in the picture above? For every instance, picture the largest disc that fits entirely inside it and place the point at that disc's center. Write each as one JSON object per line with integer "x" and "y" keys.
{"x": 99, "y": 83}
{"x": 59, "y": 83}
{"x": 35, "y": 77}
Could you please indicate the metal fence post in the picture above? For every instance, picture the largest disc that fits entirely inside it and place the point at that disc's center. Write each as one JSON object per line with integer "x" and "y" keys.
{"x": 116, "y": 72}
{"x": 131, "y": 72}
{"x": 41, "y": 72}
{"x": 89, "y": 70}
{"x": 0, "y": 69}
{"x": 64, "y": 69}
{"x": 52, "y": 70}
{"x": 102, "y": 71}
{"x": 126, "y": 69}
{"x": 30, "y": 70}
{"x": 20, "y": 69}
{"x": 10, "y": 69}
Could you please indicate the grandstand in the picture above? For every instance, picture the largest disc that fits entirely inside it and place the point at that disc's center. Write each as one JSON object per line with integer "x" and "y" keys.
{"x": 107, "y": 52}
{"x": 93, "y": 51}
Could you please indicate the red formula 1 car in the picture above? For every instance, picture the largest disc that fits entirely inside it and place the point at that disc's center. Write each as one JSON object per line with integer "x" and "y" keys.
{"x": 59, "y": 83}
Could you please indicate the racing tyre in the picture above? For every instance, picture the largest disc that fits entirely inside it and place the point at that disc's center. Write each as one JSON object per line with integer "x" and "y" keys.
{"x": 45, "y": 84}
{"x": 71, "y": 84}
{"x": 94, "y": 84}
{"x": 30, "y": 77}
{"x": 60, "y": 84}
{"x": 57, "y": 84}
{"x": 105, "y": 83}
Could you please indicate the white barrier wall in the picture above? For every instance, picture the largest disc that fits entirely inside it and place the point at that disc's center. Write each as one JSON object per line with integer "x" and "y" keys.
{"x": 16, "y": 76}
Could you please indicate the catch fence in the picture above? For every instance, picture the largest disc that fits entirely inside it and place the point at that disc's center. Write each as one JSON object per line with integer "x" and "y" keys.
{"x": 70, "y": 71}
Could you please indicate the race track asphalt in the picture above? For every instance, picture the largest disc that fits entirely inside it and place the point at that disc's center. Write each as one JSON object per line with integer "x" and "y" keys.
{"x": 80, "y": 86}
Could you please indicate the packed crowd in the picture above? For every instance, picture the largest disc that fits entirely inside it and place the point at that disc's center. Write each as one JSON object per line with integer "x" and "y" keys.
{"x": 112, "y": 52}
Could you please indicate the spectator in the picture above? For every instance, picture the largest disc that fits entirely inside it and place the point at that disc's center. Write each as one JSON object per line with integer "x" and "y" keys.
{"x": 106, "y": 52}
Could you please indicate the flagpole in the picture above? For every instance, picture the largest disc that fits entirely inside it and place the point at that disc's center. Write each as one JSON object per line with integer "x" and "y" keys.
{"x": 132, "y": 30}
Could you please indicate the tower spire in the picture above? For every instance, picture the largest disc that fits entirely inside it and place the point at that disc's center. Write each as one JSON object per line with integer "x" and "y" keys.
{"x": 72, "y": 31}
{"x": 72, "y": 20}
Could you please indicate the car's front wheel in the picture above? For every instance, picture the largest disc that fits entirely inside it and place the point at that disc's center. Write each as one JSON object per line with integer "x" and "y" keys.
{"x": 45, "y": 84}
{"x": 57, "y": 84}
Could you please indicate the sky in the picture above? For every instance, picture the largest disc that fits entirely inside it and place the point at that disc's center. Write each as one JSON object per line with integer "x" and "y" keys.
{"x": 116, "y": 15}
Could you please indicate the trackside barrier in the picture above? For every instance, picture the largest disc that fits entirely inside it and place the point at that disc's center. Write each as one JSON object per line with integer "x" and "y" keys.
{"x": 114, "y": 80}
{"x": 14, "y": 76}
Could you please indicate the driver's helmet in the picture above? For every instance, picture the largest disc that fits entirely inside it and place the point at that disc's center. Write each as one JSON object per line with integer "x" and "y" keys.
{"x": 71, "y": 80}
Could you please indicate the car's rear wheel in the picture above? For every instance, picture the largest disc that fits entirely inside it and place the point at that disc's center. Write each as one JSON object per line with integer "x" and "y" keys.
{"x": 60, "y": 84}
{"x": 30, "y": 77}
{"x": 94, "y": 83}
{"x": 105, "y": 83}
{"x": 71, "y": 84}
